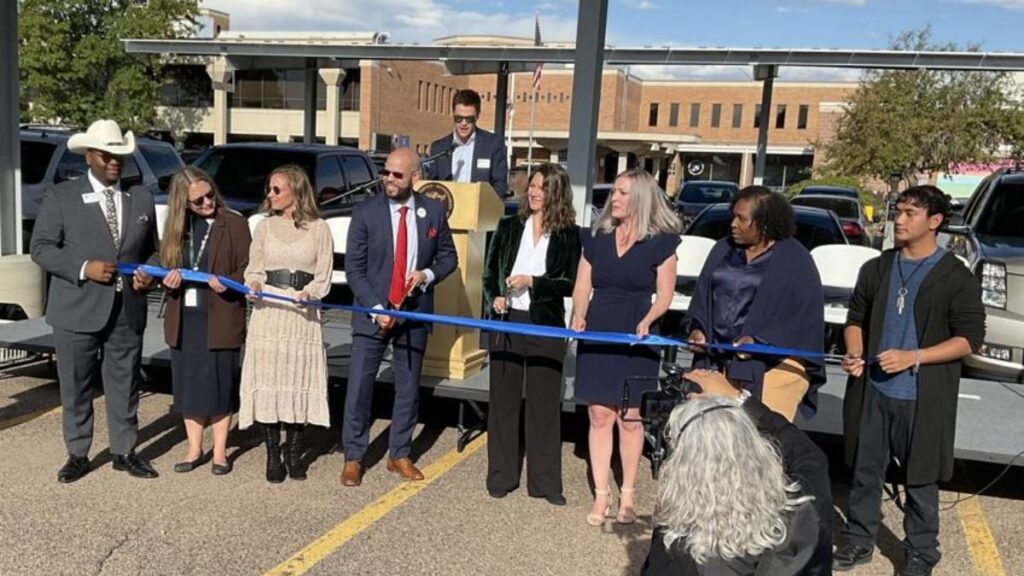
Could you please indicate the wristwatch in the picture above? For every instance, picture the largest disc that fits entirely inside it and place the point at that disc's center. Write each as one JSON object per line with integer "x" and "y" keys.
{"x": 744, "y": 394}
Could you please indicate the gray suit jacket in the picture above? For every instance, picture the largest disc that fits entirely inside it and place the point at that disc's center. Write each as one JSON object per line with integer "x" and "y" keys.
{"x": 68, "y": 232}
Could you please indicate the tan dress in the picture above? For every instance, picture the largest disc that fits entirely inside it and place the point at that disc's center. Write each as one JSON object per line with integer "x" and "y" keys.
{"x": 284, "y": 372}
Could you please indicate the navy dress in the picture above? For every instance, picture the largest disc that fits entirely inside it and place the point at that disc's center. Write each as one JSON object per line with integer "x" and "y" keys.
{"x": 204, "y": 381}
{"x": 622, "y": 297}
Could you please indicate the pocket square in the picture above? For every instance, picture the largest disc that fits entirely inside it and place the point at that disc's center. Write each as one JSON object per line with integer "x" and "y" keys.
{"x": 431, "y": 233}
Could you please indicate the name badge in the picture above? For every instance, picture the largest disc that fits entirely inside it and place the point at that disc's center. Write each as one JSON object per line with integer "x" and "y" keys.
{"x": 483, "y": 163}
{"x": 92, "y": 197}
{"x": 191, "y": 298}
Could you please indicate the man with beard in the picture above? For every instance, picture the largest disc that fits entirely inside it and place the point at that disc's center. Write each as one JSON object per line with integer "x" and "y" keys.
{"x": 399, "y": 247}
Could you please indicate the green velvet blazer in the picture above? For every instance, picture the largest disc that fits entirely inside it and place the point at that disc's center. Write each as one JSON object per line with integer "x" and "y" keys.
{"x": 547, "y": 306}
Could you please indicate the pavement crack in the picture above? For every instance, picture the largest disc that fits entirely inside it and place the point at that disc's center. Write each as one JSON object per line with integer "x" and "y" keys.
{"x": 117, "y": 546}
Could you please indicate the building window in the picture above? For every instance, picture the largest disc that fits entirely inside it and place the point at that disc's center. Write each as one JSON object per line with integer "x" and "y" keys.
{"x": 673, "y": 114}
{"x": 438, "y": 95}
{"x": 652, "y": 118}
{"x": 716, "y": 115}
{"x": 561, "y": 97}
{"x": 780, "y": 116}
{"x": 419, "y": 96}
{"x": 694, "y": 115}
{"x": 757, "y": 116}
{"x": 737, "y": 115}
{"x": 801, "y": 119}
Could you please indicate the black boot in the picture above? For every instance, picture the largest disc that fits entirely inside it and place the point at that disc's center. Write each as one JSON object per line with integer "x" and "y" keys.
{"x": 275, "y": 466}
{"x": 293, "y": 449}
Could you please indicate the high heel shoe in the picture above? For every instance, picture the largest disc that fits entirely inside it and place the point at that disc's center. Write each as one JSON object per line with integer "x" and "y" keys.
{"x": 626, "y": 515}
{"x": 598, "y": 519}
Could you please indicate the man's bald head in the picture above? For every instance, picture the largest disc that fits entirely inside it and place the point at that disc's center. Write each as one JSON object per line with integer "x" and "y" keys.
{"x": 401, "y": 171}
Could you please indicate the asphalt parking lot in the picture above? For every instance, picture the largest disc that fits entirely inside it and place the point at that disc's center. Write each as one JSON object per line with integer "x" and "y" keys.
{"x": 197, "y": 523}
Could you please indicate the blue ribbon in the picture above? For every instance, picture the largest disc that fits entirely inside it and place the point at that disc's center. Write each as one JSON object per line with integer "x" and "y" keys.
{"x": 485, "y": 325}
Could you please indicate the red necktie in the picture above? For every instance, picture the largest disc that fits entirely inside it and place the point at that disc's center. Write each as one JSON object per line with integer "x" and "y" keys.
{"x": 397, "y": 292}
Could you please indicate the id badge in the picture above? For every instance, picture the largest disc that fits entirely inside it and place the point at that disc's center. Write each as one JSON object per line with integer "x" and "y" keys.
{"x": 191, "y": 298}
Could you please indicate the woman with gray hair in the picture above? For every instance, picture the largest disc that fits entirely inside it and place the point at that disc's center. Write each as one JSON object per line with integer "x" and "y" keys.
{"x": 726, "y": 505}
{"x": 628, "y": 257}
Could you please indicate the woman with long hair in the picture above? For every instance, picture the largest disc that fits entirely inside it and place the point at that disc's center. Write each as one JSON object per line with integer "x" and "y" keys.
{"x": 627, "y": 258}
{"x": 725, "y": 503}
{"x": 284, "y": 373}
{"x": 531, "y": 268}
{"x": 204, "y": 325}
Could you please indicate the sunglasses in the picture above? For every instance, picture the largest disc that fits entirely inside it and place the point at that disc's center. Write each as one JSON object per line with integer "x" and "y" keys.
{"x": 467, "y": 119}
{"x": 202, "y": 199}
{"x": 384, "y": 173}
{"x": 275, "y": 190}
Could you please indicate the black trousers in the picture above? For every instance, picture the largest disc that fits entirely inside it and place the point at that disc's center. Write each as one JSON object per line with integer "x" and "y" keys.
{"x": 886, "y": 429}
{"x": 536, "y": 363}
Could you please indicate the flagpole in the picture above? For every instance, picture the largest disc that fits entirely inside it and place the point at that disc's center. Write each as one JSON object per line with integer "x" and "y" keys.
{"x": 511, "y": 118}
{"x": 533, "y": 116}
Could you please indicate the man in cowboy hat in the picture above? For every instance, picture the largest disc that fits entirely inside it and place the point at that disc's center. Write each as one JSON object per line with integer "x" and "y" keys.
{"x": 84, "y": 228}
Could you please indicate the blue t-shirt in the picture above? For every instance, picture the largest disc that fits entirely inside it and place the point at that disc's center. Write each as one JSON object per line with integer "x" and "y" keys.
{"x": 899, "y": 330}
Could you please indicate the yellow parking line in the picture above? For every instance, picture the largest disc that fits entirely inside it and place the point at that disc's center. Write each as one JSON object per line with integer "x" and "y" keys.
{"x": 305, "y": 559}
{"x": 19, "y": 420}
{"x": 982, "y": 546}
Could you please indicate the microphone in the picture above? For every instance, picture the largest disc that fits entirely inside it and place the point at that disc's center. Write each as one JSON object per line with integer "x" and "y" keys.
{"x": 446, "y": 152}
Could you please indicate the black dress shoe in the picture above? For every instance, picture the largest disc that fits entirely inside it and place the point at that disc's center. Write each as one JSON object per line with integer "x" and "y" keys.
{"x": 497, "y": 493}
{"x": 73, "y": 469}
{"x": 221, "y": 469}
{"x": 188, "y": 466}
{"x": 554, "y": 500}
{"x": 134, "y": 466}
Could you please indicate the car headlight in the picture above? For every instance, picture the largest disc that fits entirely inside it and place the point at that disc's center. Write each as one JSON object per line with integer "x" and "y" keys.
{"x": 993, "y": 284}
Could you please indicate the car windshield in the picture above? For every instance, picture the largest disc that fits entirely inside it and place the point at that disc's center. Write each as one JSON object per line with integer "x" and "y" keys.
{"x": 706, "y": 193}
{"x": 842, "y": 207}
{"x": 35, "y": 158}
{"x": 1005, "y": 214}
{"x": 241, "y": 173}
{"x": 811, "y": 230}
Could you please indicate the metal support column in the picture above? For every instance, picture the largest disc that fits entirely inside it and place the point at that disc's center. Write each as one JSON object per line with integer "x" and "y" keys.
{"x": 10, "y": 137}
{"x": 767, "y": 75}
{"x": 586, "y": 102}
{"x": 501, "y": 102}
{"x": 309, "y": 108}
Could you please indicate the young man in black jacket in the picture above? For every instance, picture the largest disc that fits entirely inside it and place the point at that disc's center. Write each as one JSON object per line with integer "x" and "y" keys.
{"x": 915, "y": 313}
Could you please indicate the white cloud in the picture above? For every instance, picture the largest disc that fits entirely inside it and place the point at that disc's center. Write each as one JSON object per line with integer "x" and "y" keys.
{"x": 845, "y": 2}
{"x": 641, "y": 4}
{"x": 406, "y": 21}
{"x": 1008, "y": 4}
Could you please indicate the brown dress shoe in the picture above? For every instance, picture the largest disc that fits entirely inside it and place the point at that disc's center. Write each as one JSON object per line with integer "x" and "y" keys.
{"x": 405, "y": 468}
{"x": 352, "y": 473}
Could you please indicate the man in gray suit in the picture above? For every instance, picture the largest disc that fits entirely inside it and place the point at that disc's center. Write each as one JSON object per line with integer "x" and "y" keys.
{"x": 84, "y": 228}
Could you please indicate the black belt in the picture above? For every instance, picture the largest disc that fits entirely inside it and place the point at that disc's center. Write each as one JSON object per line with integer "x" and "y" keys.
{"x": 287, "y": 279}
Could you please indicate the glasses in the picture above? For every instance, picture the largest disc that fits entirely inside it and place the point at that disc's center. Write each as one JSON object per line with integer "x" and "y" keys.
{"x": 275, "y": 190}
{"x": 467, "y": 119}
{"x": 197, "y": 202}
{"x": 398, "y": 175}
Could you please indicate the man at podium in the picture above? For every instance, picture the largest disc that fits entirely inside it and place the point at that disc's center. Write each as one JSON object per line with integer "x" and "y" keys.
{"x": 469, "y": 154}
{"x": 399, "y": 248}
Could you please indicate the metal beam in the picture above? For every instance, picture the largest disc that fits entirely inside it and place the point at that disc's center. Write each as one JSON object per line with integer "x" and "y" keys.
{"x": 501, "y": 103}
{"x": 767, "y": 75}
{"x": 10, "y": 136}
{"x": 592, "y": 21}
{"x": 975, "y": 61}
{"x": 309, "y": 107}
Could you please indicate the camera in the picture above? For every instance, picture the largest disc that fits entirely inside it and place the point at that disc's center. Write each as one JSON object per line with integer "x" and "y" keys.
{"x": 656, "y": 406}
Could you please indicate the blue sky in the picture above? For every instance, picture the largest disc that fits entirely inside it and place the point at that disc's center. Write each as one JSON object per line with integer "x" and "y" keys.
{"x": 996, "y": 24}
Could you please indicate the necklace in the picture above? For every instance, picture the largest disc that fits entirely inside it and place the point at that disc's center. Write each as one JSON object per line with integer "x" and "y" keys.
{"x": 901, "y": 293}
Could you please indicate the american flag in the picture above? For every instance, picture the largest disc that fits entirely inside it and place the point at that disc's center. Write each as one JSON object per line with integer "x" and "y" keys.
{"x": 540, "y": 65}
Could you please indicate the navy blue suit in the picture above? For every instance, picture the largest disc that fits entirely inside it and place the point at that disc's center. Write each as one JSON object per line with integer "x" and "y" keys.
{"x": 369, "y": 258}
{"x": 487, "y": 147}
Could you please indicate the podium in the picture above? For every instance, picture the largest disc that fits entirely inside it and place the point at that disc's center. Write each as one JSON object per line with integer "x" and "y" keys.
{"x": 473, "y": 210}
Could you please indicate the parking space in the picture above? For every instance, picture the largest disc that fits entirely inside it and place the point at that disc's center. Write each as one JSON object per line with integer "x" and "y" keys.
{"x": 108, "y": 523}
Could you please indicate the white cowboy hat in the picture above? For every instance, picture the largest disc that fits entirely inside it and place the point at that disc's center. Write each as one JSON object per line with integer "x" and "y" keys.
{"x": 103, "y": 135}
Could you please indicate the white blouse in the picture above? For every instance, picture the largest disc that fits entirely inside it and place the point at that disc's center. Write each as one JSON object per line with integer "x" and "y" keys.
{"x": 530, "y": 260}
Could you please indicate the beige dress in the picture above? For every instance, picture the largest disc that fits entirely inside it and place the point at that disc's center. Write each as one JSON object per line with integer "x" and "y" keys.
{"x": 284, "y": 372}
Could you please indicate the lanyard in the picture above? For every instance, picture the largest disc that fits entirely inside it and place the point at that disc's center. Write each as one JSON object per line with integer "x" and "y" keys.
{"x": 196, "y": 257}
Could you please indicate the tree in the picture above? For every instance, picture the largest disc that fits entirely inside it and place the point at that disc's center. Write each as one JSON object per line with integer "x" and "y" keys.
{"x": 909, "y": 122}
{"x": 74, "y": 69}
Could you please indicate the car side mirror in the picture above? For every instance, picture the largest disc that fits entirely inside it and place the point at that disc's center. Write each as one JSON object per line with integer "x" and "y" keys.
{"x": 957, "y": 228}
{"x": 68, "y": 173}
{"x": 163, "y": 182}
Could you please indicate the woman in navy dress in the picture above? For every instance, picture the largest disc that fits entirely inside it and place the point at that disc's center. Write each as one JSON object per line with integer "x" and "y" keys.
{"x": 627, "y": 257}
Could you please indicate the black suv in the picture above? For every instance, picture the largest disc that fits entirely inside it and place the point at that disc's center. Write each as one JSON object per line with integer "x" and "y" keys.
{"x": 340, "y": 176}
{"x": 46, "y": 160}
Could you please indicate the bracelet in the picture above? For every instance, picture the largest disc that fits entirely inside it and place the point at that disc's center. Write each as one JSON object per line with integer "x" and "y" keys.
{"x": 744, "y": 394}
{"x": 917, "y": 362}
